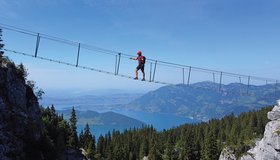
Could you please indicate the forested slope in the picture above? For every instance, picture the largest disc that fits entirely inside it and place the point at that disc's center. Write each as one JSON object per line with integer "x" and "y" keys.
{"x": 190, "y": 141}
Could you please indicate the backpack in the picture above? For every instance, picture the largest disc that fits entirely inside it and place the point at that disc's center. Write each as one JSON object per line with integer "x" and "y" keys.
{"x": 144, "y": 59}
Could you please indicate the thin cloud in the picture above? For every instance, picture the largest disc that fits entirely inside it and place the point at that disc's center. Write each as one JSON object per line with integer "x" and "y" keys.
{"x": 51, "y": 2}
{"x": 6, "y": 9}
{"x": 9, "y": 8}
{"x": 90, "y": 3}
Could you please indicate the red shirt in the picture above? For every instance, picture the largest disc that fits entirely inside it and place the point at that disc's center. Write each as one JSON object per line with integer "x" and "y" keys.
{"x": 140, "y": 59}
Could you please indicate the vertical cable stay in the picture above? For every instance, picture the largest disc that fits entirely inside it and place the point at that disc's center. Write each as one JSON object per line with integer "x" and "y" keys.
{"x": 183, "y": 69}
{"x": 37, "y": 44}
{"x": 116, "y": 64}
{"x": 119, "y": 61}
{"x": 151, "y": 67}
{"x": 248, "y": 85}
{"x": 189, "y": 77}
{"x": 78, "y": 55}
{"x": 220, "y": 86}
{"x": 154, "y": 71}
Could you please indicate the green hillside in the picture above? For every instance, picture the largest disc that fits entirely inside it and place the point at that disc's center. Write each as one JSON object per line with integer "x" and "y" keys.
{"x": 204, "y": 101}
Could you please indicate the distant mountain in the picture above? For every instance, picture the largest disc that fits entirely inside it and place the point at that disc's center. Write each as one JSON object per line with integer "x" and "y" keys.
{"x": 90, "y": 102}
{"x": 102, "y": 122}
{"x": 203, "y": 100}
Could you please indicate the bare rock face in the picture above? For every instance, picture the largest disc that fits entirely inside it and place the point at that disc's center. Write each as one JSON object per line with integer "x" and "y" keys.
{"x": 20, "y": 119}
{"x": 227, "y": 154}
{"x": 275, "y": 113}
{"x": 73, "y": 154}
{"x": 269, "y": 146}
{"x": 145, "y": 158}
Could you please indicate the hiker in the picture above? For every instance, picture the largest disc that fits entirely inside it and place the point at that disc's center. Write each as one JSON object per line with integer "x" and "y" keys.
{"x": 141, "y": 64}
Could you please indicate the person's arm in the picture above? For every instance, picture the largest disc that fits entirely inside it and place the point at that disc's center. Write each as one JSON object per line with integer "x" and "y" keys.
{"x": 133, "y": 58}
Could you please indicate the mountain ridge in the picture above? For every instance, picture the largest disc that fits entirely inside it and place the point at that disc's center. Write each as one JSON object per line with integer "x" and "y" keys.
{"x": 101, "y": 123}
{"x": 203, "y": 100}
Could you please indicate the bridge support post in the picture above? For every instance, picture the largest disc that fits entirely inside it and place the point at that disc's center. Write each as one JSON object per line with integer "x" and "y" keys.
{"x": 37, "y": 44}
{"x": 213, "y": 77}
{"x": 116, "y": 64}
{"x": 189, "y": 77}
{"x": 154, "y": 71}
{"x": 151, "y": 67}
{"x": 119, "y": 61}
{"x": 248, "y": 85}
{"x": 183, "y": 69}
{"x": 221, "y": 77}
{"x": 78, "y": 55}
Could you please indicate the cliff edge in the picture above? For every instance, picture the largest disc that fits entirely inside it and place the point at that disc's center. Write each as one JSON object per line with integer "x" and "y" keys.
{"x": 20, "y": 118}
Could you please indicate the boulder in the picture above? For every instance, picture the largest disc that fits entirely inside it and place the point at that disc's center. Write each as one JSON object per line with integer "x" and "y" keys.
{"x": 274, "y": 114}
{"x": 145, "y": 158}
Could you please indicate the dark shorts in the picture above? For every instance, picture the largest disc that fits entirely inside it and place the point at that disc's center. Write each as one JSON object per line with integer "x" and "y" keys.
{"x": 140, "y": 66}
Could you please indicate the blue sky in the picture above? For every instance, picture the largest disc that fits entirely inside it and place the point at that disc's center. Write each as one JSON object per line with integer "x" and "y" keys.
{"x": 240, "y": 36}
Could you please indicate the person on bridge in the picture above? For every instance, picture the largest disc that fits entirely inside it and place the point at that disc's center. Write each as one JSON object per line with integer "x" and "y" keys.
{"x": 141, "y": 64}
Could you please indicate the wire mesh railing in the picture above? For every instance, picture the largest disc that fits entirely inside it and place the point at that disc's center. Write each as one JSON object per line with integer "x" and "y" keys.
{"x": 76, "y": 54}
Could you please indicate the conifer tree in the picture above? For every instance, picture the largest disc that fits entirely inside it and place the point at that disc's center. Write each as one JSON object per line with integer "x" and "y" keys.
{"x": 210, "y": 148}
{"x": 188, "y": 146}
{"x": 168, "y": 150}
{"x": 143, "y": 149}
{"x": 131, "y": 156}
{"x": 100, "y": 146}
{"x": 73, "y": 139}
{"x": 1, "y": 44}
{"x": 86, "y": 137}
{"x": 91, "y": 149}
{"x": 107, "y": 144}
{"x": 153, "y": 152}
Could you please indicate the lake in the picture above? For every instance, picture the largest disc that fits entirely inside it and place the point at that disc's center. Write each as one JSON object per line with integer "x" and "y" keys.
{"x": 159, "y": 122}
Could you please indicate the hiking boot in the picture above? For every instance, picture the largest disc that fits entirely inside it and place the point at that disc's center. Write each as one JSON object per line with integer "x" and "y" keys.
{"x": 136, "y": 78}
{"x": 143, "y": 79}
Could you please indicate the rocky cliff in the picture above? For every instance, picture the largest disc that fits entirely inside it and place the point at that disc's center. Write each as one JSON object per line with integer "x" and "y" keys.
{"x": 20, "y": 119}
{"x": 268, "y": 148}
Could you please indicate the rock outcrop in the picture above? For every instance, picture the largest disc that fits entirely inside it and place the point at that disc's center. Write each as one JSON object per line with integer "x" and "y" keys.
{"x": 268, "y": 148}
{"x": 73, "y": 154}
{"x": 20, "y": 119}
{"x": 227, "y": 154}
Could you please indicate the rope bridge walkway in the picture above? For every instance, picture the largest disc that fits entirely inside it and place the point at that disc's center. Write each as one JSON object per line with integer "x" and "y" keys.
{"x": 120, "y": 61}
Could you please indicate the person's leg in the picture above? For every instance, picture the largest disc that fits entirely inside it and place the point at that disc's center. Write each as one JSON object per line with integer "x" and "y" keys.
{"x": 143, "y": 71}
{"x": 136, "y": 74}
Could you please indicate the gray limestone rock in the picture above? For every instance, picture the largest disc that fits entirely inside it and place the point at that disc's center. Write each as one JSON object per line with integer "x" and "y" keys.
{"x": 227, "y": 154}
{"x": 268, "y": 148}
{"x": 274, "y": 114}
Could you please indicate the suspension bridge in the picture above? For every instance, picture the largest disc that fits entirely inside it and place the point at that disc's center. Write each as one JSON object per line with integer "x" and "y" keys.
{"x": 47, "y": 47}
